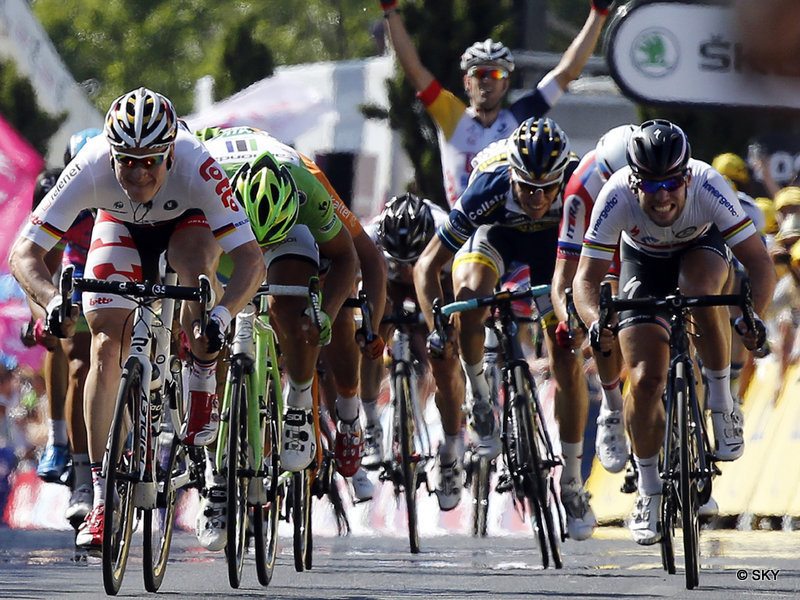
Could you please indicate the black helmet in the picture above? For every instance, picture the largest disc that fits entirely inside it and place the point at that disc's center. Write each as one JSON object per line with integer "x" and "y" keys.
{"x": 44, "y": 183}
{"x": 658, "y": 148}
{"x": 538, "y": 149}
{"x": 405, "y": 227}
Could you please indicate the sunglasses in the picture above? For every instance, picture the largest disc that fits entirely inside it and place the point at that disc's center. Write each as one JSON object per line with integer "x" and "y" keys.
{"x": 649, "y": 186}
{"x": 490, "y": 72}
{"x": 531, "y": 186}
{"x": 148, "y": 161}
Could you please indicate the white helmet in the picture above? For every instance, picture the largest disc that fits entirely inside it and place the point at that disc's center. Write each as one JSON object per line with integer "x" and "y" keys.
{"x": 611, "y": 150}
{"x": 141, "y": 119}
{"x": 487, "y": 52}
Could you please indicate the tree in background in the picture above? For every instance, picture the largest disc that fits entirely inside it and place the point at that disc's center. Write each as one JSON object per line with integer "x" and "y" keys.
{"x": 245, "y": 59}
{"x": 19, "y": 107}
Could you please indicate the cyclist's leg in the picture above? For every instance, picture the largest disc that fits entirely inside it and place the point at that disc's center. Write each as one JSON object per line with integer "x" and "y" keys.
{"x": 192, "y": 252}
{"x": 77, "y": 351}
{"x": 343, "y": 357}
{"x": 55, "y": 457}
{"x": 293, "y": 263}
{"x": 476, "y": 270}
{"x": 706, "y": 270}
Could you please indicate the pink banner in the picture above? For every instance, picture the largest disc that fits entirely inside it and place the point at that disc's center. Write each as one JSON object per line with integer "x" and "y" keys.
{"x": 19, "y": 166}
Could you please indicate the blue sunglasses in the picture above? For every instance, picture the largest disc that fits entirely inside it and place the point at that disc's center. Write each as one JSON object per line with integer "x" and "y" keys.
{"x": 648, "y": 186}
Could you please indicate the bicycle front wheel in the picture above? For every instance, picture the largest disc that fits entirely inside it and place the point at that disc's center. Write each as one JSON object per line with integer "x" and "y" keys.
{"x": 408, "y": 456}
{"x": 122, "y": 463}
{"x": 159, "y": 522}
{"x": 688, "y": 481}
{"x": 236, "y": 475}
{"x": 669, "y": 500}
{"x": 266, "y": 516}
{"x": 301, "y": 519}
{"x": 481, "y": 471}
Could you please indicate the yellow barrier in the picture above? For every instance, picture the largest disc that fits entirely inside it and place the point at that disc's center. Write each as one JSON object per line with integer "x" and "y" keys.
{"x": 765, "y": 481}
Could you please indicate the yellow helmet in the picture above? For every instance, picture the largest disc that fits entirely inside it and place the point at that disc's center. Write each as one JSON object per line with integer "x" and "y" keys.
{"x": 767, "y": 206}
{"x": 788, "y": 196}
{"x": 733, "y": 167}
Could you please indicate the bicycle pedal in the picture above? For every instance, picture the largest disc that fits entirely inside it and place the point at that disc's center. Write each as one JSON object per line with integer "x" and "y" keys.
{"x": 504, "y": 484}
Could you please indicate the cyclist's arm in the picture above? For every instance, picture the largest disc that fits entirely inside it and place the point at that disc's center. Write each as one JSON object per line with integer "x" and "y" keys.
{"x": 563, "y": 277}
{"x": 427, "y": 276}
{"x": 579, "y": 51}
{"x": 27, "y": 263}
{"x": 753, "y": 255}
{"x": 406, "y": 53}
{"x": 341, "y": 276}
{"x": 586, "y": 287}
{"x": 249, "y": 271}
{"x": 373, "y": 275}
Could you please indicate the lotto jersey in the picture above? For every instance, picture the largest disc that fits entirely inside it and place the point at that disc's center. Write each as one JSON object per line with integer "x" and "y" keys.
{"x": 710, "y": 200}
{"x": 194, "y": 181}
{"x": 489, "y": 200}
{"x": 462, "y": 136}
{"x": 235, "y": 146}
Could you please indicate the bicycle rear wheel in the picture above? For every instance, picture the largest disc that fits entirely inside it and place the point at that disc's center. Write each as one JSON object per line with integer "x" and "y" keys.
{"x": 301, "y": 519}
{"x": 236, "y": 475}
{"x": 266, "y": 517}
{"x": 408, "y": 455}
{"x": 688, "y": 481}
{"x": 122, "y": 463}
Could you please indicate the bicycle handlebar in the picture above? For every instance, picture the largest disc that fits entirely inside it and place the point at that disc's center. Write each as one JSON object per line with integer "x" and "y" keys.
{"x": 502, "y": 296}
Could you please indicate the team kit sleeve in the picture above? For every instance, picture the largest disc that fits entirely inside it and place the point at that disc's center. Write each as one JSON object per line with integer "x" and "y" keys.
{"x": 445, "y": 109}
{"x": 728, "y": 215}
{"x": 538, "y": 102}
{"x": 573, "y": 226}
{"x": 605, "y": 224}
{"x": 316, "y": 205}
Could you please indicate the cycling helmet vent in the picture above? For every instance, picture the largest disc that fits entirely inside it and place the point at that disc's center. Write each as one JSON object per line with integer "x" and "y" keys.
{"x": 538, "y": 150}
{"x": 269, "y": 195}
{"x": 405, "y": 227}
{"x": 487, "y": 52}
{"x": 141, "y": 119}
{"x": 658, "y": 148}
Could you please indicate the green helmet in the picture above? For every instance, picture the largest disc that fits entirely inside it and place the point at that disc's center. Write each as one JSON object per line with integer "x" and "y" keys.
{"x": 269, "y": 195}
{"x": 207, "y": 133}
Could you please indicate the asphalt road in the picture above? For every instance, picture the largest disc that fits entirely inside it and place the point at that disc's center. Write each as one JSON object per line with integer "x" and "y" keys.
{"x": 734, "y": 564}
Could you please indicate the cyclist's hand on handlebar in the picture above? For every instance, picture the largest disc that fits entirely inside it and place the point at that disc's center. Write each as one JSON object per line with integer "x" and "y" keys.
{"x": 219, "y": 320}
{"x": 317, "y": 336}
{"x": 602, "y": 340}
{"x": 57, "y": 325}
{"x": 570, "y": 340}
{"x": 371, "y": 348}
{"x": 752, "y": 340}
{"x": 440, "y": 346}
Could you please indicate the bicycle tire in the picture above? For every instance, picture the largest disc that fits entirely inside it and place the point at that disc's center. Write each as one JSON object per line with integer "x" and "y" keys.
{"x": 690, "y": 520}
{"x": 159, "y": 522}
{"x": 408, "y": 459}
{"x": 121, "y": 464}
{"x": 236, "y": 480}
{"x": 481, "y": 471}
{"x": 301, "y": 519}
{"x": 520, "y": 459}
{"x": 267, "y": 516}
{"x": 669, "y": 499}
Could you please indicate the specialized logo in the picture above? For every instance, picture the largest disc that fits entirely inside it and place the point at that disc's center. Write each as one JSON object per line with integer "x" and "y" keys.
{"x": 655, "y": 52}
{"x": 631, "y": 286}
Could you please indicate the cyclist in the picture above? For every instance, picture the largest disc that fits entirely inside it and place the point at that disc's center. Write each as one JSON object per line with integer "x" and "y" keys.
{"x": 67, "y": 363}
{"x": 509, "y": 212}
{"x": 463, "y": 130}
{"x": 402, "y": 230}
{"x": 675, "y": 216}
{"x": 162, "y": 192}
{"x": 611, "y": 445}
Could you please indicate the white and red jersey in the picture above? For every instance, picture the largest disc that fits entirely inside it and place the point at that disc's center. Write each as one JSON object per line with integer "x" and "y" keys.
{"x": 580, "y": 193}
{"x": 710, "y": 201}
{"x": 194, "y": 181}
